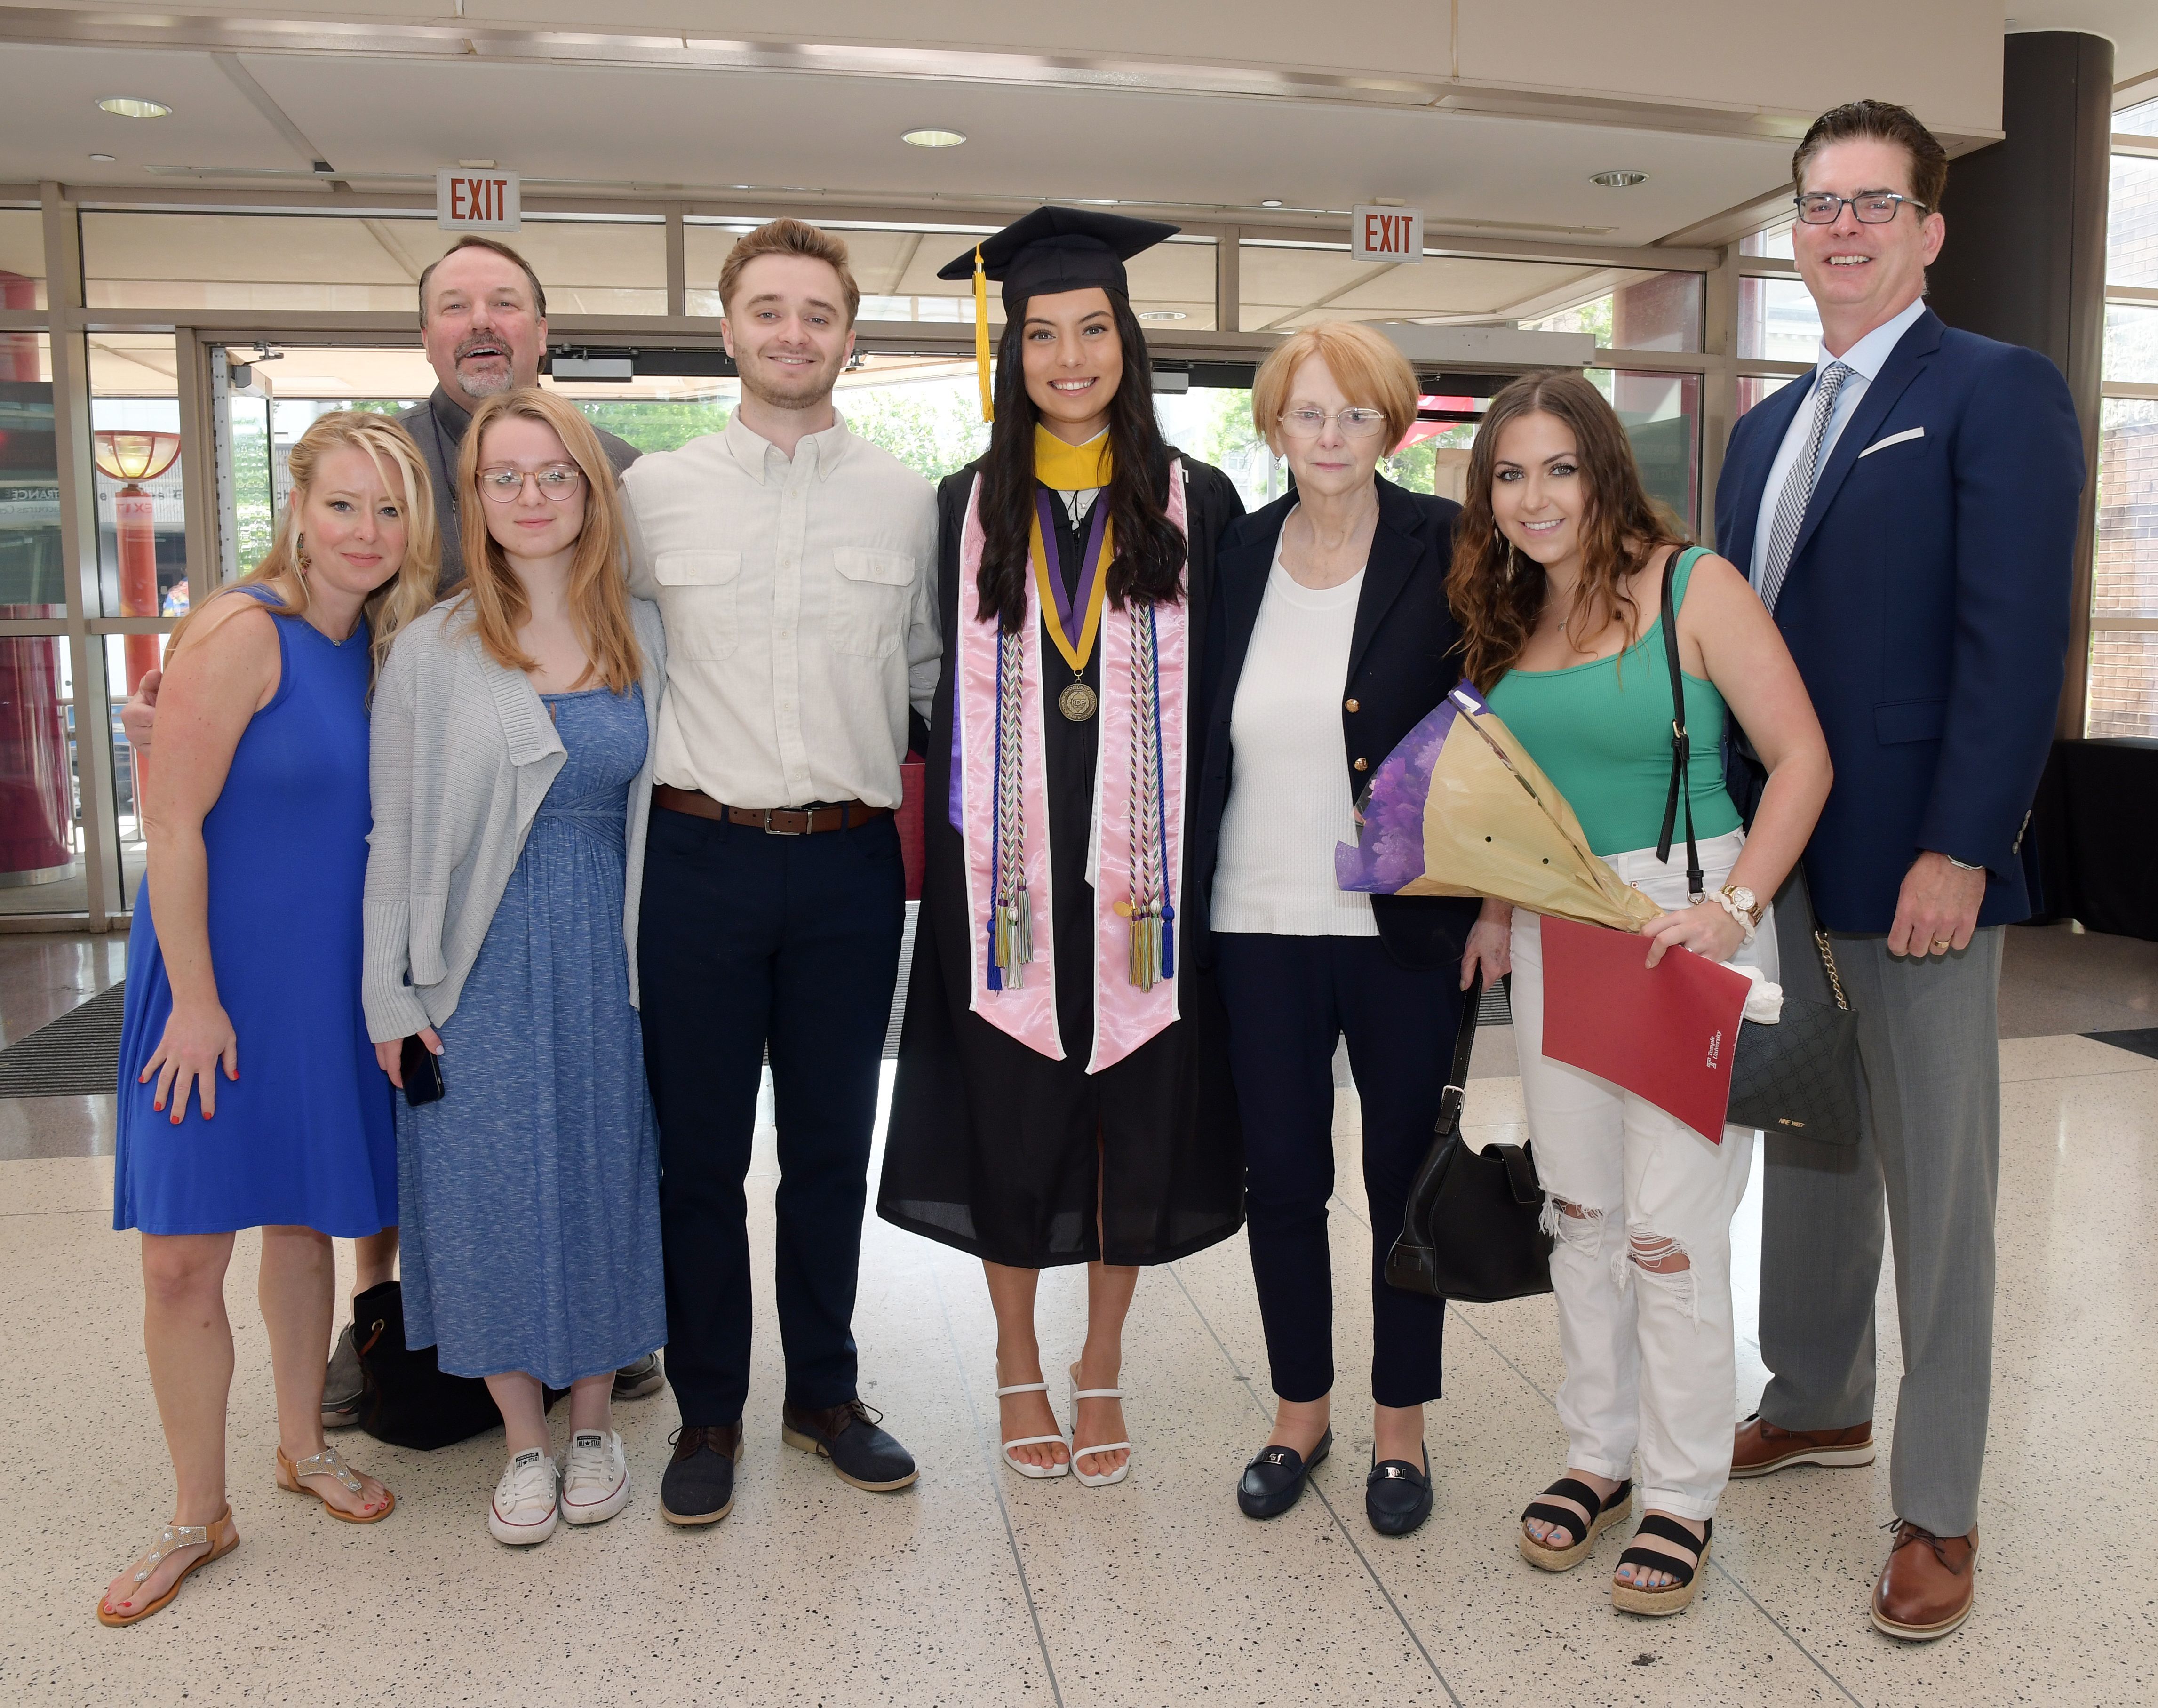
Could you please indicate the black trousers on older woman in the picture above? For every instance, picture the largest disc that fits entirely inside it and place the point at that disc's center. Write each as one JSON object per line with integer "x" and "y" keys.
{"x": 1290, "y": 1000}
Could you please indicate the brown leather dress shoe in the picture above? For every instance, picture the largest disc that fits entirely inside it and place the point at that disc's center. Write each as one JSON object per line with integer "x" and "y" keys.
{"x": 1761, "y": 1447}
{"x": 1927, "y": 1587}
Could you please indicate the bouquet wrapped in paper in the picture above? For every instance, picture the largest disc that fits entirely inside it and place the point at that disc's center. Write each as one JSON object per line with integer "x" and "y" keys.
{"x": 1459, "y": 809}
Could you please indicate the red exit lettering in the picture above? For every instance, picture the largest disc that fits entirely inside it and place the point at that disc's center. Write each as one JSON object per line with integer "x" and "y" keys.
{"x": 475, "y": 198}
{"x": 1387, "y": 233}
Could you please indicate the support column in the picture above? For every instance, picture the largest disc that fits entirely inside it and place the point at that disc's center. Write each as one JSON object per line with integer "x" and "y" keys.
{"x": 2025, "y": 259}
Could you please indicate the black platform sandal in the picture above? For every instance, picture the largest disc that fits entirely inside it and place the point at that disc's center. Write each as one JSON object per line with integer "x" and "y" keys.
{"x": 1601, "y": 1516}
{"x": 1672, "y": 1597}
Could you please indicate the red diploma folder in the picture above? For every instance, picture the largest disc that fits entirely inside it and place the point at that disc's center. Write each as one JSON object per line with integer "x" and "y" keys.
{"x": 1666, "y": 1032}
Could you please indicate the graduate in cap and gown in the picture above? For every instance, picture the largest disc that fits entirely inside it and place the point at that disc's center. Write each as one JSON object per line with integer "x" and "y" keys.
{"x": 1063, "y": 1091}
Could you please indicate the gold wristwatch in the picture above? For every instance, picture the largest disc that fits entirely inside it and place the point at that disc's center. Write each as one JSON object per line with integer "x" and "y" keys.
{"x": 1742, "y": 899}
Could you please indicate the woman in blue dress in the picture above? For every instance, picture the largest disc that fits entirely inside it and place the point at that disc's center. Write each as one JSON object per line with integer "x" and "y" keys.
{"x": 512, "y": 782}
{"x": 246, "y": 940}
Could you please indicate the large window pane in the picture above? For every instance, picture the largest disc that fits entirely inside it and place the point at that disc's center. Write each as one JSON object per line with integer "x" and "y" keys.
{"x": 32, "y": 572}
{"x": 1755, "y": 388}
{"x": 1662, "y": 414}
{"x": 2140, "y": 120}
{"x": 373, "y": 264}
{"x": 41, "y": 868}
{"x": 22, "y": 258}
{"x": 141, "y": 497}
{"x": 895, "y": 268}
{"x": 1285, "y": 284}
{"x": 1777, "y": 321}
{"x": 2131, "y": 226}
{"x": 1775, "y": 244}
{"x": 2123, "y": 685}
{"x": 127, "y": 656}
{"x": 2131, "y": 343}
{"x": 2124, "y": 566}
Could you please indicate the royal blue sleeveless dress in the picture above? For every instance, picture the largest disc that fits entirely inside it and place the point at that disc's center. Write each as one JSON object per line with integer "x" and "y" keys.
{"x": 304, "y": 1136}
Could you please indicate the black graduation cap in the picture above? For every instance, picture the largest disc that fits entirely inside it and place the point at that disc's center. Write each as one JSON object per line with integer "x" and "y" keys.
{"x": 1046, "y": 251}
{"x": 1059, "y": 249}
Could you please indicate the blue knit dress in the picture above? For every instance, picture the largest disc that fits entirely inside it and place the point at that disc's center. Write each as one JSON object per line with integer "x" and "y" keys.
{"x": 530, "y": 1189}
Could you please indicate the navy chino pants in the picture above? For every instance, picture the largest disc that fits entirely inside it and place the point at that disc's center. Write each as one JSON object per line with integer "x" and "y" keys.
{"x": 745, "y": 941}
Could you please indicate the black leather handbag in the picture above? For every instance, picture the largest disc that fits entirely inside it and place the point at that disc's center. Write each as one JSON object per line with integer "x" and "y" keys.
{"x": 1800, "y": 1076}
{"x": 1473, "y": 1227}
{"x": 408, "y": 1401}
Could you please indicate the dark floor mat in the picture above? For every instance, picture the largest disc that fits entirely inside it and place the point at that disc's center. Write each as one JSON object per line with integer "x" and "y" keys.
{"x": 1495, "y": 1009}
{"x": 76, "y": 1055}
{"x": 899, "y": 991}
{"x": 2144, "y": 1041}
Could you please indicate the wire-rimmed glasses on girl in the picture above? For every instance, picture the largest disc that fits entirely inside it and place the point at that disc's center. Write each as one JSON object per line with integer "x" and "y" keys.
{"x": 558, "y": 481}
{"x": 1355, "y": 422}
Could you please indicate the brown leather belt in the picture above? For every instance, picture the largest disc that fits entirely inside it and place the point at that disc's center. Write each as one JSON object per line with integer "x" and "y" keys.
{"x": 773, "y": 821}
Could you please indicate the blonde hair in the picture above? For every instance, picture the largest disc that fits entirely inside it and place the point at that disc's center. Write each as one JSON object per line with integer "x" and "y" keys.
{"x": 599, "y": 594}
{"x": 283, "y": 569}
{"x": 1370, "y": 372}
{"x": 789, "y": 237}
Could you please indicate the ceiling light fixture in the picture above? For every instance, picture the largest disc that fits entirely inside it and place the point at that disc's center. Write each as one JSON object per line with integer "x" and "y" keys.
{"x": 104, "y": 159}
{"x": 1275, "y": 202}
{"x": 1623, "y": 178}
{"x": 134, "y": 106}
{"x": 1161, "y": 314}
{"x": 933, "y": 137}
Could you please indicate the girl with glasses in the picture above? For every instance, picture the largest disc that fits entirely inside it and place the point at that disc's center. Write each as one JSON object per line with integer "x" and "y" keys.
{"x": 512, "y": 780}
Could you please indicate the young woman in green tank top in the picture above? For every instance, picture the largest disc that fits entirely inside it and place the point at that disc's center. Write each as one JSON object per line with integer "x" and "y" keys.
{"x": 1557, "y": 581}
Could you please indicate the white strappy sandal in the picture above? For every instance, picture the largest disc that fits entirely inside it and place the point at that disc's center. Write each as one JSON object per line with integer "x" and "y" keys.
{"x": 1080, "y": 1452}
{"x": 1020, "y": 1465}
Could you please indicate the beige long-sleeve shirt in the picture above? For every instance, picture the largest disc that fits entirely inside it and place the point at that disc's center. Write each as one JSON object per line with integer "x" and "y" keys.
{"x": 800, "y": 603}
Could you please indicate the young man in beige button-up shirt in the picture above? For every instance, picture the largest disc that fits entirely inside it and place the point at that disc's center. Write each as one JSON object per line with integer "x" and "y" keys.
{"x": 792, "y": 562}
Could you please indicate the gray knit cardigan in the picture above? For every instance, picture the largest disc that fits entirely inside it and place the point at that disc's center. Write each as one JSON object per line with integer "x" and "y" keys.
{"x": 461, "y": 752}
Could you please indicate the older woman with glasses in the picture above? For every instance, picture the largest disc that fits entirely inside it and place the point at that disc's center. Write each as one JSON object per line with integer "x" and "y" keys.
{"x": 1330, "y": 640}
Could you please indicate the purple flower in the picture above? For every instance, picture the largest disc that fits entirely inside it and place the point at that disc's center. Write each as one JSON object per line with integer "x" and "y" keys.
{"x": 1388, "y": 853}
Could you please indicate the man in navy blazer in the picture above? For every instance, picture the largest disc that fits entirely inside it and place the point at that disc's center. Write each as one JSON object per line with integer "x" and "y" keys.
{"x": 1909, "y": 516}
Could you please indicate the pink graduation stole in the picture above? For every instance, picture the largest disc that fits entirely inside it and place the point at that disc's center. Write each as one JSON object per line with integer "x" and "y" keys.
{"x": 1136, "y": 845}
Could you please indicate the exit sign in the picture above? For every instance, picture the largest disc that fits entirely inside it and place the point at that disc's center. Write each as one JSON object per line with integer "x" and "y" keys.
{"x": 465, "y": 201}
{"x": 1386, "y": 234}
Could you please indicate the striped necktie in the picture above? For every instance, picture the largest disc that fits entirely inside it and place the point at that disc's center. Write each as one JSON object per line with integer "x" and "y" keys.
{"x": 1799, "y": 487}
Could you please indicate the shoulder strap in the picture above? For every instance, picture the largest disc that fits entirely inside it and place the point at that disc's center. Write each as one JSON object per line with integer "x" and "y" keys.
{"x": 1457, "y": 1076}
{"x": 1681, "y": 744}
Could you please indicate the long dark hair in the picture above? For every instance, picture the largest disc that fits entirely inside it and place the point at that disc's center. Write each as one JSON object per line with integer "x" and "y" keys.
{"x": 1498, "y": 593}
{"x": 1150, "y": 560}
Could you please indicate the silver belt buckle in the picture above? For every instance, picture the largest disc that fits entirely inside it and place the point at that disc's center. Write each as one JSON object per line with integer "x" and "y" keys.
{"x": 772, "y": 829}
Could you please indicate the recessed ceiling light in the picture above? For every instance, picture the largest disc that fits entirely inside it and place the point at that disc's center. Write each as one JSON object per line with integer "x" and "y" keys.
{"x": 1624, "y": 179}
{"x": 1161, "y": 314}
{"x": 134, "y": 106}
{"x": 106, "y": 159}
{"x": 1275, "y": 202}
{"x": 933, "y": 138}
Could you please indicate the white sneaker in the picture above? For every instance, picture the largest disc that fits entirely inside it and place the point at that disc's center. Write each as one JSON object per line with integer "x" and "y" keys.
{"x": 524, "y": 1507}
{"x": 596, "y": 1485}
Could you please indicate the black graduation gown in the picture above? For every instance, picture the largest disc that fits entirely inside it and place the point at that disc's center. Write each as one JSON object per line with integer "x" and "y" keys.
{"x": 992, "y": 1146}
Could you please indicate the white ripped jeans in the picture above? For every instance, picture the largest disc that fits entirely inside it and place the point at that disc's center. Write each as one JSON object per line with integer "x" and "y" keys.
{"x": 1650, "y": 1358}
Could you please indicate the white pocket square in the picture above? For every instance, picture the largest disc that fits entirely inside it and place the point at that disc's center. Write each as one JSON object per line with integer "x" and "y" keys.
{"x": 1893, "y": 439}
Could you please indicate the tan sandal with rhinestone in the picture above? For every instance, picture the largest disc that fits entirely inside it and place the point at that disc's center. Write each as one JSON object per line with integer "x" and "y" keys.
{"x": 327, "y": 1463}
{"x": 218, "y": 1536}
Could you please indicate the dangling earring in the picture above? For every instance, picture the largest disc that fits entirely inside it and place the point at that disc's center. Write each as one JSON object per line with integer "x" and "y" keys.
{"x": 299, "y": 551}
{"x": 1499, "y": 539}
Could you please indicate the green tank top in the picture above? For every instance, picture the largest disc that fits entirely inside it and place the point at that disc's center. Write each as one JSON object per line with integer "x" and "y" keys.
{"x": 1602, "y": 731}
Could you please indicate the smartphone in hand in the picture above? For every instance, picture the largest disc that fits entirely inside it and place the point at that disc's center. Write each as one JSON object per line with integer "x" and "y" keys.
{"x": 422, "y": 1072}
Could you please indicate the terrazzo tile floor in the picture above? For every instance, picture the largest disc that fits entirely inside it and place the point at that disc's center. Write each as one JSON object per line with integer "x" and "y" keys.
{"x": 975, "y": 1587}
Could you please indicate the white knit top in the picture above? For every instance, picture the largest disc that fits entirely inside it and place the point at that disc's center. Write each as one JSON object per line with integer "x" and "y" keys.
{"x": 1289, "y": 801}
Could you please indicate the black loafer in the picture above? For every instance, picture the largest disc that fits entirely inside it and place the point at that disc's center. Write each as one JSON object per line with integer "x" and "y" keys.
{"x": 1275, "y": 1477}
{"x": 847, "y": 1434}
{"x": 1397, "y": 1496}
{"x": 699, "y": 1485}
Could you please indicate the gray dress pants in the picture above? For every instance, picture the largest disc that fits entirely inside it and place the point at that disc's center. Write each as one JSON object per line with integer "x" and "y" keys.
{"x": 1929, "y": 1155}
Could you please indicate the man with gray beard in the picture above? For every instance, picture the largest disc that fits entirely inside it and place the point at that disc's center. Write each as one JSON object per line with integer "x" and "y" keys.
{"x": 484, "y": 318}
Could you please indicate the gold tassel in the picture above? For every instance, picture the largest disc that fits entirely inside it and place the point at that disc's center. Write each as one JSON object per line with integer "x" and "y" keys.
{"x": 1145, "y": 972}
{"x": 982, "y": 334}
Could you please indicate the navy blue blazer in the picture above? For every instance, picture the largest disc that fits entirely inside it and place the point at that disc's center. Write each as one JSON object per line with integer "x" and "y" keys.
{"x": 1403, "y": 661}
{"x": 1927, "y": 604}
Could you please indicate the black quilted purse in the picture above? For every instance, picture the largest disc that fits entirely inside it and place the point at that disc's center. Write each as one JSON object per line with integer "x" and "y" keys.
{"x": 1799, "y": 1076}
{"x": 1473, "y": 1230}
